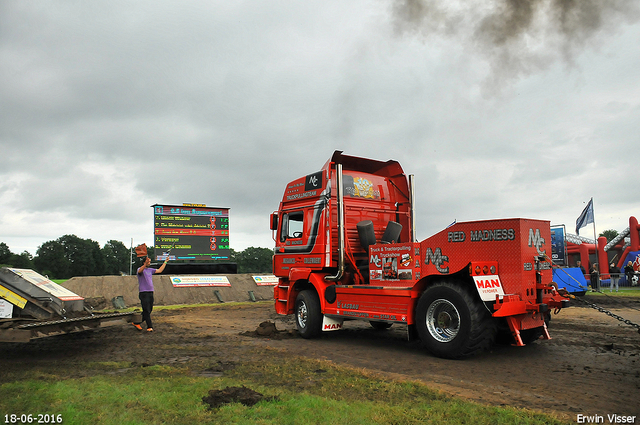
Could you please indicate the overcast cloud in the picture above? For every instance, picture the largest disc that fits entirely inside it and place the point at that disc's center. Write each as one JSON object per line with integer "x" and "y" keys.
{"x": 500, "y": 108}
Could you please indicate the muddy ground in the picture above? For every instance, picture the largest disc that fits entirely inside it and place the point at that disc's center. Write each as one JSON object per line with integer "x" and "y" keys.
{"x": 590, "y": 366}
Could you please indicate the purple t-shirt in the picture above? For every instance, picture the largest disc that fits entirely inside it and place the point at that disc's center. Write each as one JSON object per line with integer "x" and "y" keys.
{"x": 145, "y": 282}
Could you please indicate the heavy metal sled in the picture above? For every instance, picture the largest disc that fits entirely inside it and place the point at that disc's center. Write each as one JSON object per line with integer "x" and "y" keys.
{"x": 39, "y": 308}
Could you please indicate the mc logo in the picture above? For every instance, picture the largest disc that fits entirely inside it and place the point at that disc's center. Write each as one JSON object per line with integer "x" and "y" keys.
{"x": 536, "y": 240}
{"x": 437, "y": 259}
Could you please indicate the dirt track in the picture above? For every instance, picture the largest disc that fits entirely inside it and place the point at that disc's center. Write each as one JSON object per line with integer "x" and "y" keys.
{"x": 591, "y": 366}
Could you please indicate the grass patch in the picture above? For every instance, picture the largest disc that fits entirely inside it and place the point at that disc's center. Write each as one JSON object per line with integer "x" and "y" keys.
{"x": 306, "y": 391}
{"x": 622, "y": 293}
{"x": 220, "y": 306}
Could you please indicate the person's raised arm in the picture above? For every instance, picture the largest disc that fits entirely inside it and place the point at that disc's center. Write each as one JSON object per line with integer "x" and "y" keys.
{"x": 161, "y": 269}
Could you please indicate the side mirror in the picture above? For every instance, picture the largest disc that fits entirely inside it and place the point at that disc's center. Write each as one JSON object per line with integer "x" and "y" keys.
{"x": 274, "y": 221}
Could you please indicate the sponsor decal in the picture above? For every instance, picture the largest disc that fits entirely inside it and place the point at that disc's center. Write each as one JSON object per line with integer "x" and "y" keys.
{"x": 492, "y": 235}
{"x": 348, "y": 305}
{"x": 331, "y": 324}
{"x": 12, "y": 297}
{"x": 391, "y": 262}
{"x": 6, "y": 309}
{"x": 362, "y": 188}
{"x": 313, "y": 181}
{"x": 456, "y": 237}
{"x": 332, "y": 327}
{"x": 200, "y": 280}
{"x": 267, "y": 280}
{"x": 355, "y": 314}
{"x": 488, "y": 287}
{"x": 543, "y": 266}
{"x": 302, "y": 195}
{"x": 45, "y": 284}
{"x": 536, "y": 240}
{"x": 437, "y": 259}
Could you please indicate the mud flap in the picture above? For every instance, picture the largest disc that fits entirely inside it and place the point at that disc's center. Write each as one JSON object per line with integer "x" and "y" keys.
{"x": 488, "y": 287}
{"x": 331, "y": 324}
{"x": 412, "y": 333}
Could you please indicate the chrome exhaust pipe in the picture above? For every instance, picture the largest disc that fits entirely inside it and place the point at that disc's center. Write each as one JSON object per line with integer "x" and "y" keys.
{"x": 341, "y": 234}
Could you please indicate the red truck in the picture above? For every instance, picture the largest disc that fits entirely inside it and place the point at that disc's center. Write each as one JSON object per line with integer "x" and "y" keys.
{"x": 346, "y": 249}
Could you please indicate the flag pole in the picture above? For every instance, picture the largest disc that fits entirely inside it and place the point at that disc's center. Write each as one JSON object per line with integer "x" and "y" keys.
{"x": 595, "y": 239}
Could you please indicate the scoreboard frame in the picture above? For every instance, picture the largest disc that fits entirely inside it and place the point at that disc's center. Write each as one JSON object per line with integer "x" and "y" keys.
{"x": 191, "y": 232}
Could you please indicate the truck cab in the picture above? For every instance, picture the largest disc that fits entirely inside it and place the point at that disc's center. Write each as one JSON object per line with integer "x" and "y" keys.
{"x": 316, "y": 225}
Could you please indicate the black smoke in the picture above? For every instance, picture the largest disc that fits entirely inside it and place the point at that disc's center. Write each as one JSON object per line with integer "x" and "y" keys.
{"x": 517, "y": 36}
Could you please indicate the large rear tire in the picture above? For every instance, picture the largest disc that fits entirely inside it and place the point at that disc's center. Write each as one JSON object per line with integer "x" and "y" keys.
{"x": 308, "y": 314}
{"x": 452, "y": 322}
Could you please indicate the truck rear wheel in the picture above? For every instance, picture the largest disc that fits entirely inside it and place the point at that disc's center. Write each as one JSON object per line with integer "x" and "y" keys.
{"x": 452, "y": 323}
{"x": 308, "y": 314}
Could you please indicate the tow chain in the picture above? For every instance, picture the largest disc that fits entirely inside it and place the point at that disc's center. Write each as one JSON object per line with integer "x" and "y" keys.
{"x": 608, "y": 313}
{"x": 592, "y": 305}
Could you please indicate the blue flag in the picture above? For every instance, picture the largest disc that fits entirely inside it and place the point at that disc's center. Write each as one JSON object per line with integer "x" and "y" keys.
{"x": 586, "y": 217}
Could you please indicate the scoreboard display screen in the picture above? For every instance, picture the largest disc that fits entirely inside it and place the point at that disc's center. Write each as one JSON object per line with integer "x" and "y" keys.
{"x": 192, "y": 232}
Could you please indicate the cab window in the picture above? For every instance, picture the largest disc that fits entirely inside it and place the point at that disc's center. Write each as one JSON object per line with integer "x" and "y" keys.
{"x": 292, "y": 226}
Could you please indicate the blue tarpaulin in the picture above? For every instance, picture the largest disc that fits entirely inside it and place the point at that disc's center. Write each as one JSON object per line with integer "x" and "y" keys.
{"x": 570, "y": 278}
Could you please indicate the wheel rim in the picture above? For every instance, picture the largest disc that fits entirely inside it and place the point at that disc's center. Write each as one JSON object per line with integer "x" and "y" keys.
{"x": 303, "y": 314}
{"x": 443, "y": 320}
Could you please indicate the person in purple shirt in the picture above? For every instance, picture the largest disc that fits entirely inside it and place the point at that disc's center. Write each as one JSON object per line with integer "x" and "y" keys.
{"x": 145, "y": 284}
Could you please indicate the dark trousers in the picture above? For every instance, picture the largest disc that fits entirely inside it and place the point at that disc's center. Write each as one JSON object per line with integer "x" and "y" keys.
{"x": 146, "y": 299}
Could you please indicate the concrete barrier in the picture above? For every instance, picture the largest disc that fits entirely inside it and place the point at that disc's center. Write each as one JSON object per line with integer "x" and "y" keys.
{"x": 165, "y": 293}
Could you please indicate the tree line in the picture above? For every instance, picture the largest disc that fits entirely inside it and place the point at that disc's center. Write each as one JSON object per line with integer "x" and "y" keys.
{"x": 70, "y": 256}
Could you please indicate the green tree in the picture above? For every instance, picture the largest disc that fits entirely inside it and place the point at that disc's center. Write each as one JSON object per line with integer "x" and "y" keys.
{"x": 22, "y": 261}
{"x": 116, "y": 258}
{"x": 5, "y": 254}
{"x": 19, "y": 261}
{"x": 609, "y": 234}
{"x": 51, "y": 256}
{"x": 253, "y": 260}
{"x": 70, "y": 256}
{"x": 84, "y": 255}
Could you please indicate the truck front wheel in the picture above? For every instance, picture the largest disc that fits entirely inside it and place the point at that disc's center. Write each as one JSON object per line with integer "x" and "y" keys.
{"x": 452, "y": 323}
{"x": 308, "y": 314}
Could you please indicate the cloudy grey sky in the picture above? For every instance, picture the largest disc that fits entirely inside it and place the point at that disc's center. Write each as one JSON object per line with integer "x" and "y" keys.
{"x": 500, "y": 108}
